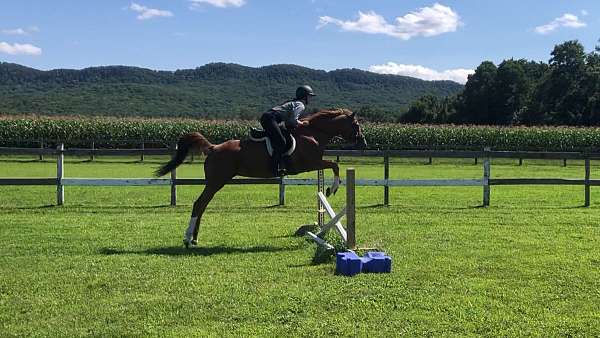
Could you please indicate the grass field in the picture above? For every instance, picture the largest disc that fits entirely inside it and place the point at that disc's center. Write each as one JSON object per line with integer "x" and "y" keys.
{"x": 110, "y": 261}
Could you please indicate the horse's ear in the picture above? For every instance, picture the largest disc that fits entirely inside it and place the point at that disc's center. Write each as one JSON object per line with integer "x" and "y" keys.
{"x": 352, "y": 114}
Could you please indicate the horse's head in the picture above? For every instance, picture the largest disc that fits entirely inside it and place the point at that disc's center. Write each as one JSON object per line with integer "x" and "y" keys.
{"x": 340, "y": 122}
{"x": 352, "y": 131}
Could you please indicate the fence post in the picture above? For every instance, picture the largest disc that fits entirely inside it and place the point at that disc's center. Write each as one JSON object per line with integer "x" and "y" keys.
{"x": 486, "y": 178}
{"x": 476, "y": 160}
{"x": 520, "y": 161}
{"x": 142, "y": 154}
{"x": 587, "y": 181}
{"x": 174, "y": 185}
{"x": 564, "y": 162}
{"x": 92, "y": 151}
{"x": 281, "y": 191}
{"x": 60, "y": 189}
{"x": 430, "y": 161}
{"x": 386, "y": 176}
{"x": 350, "y": 208}
{"x": 41, "y": 148}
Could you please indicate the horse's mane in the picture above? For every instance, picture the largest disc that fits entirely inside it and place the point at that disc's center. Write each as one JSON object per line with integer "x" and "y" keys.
{"x": 328, "y": 114}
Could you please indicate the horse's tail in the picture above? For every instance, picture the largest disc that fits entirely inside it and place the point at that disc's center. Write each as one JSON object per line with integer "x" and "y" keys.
{"x": 189, "y": 141}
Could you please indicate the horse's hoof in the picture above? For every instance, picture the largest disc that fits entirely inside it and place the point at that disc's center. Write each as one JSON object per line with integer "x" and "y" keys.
{"x": 187, "y": 242}
{"x": 329, "y": 192}
{"x": 194, "y": 242}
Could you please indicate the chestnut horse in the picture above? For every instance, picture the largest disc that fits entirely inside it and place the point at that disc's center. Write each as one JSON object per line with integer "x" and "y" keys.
{"x": 249, "y": 158}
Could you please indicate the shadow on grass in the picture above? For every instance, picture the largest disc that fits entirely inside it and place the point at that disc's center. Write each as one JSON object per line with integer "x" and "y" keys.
{"x": 120, "y": 207}
{"x": 548, "y": 207}
{"x": 25, "y": 161}
{"x": 81, "y": 160}
{"x": 196, "y": 251}
{"x": 373, "y": 206}
{"x": 124, "y": 160}
{"x": 90, "y": 209}
{"x": 274, "y": 206}
{"x": 38, "y": 207}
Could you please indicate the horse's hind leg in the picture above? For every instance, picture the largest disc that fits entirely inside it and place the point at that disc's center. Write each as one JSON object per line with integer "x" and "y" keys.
{"x": 191, "y": 234}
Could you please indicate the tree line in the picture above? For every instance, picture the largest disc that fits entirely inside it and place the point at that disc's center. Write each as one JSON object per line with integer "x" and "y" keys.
{"x": 564, "y": 91}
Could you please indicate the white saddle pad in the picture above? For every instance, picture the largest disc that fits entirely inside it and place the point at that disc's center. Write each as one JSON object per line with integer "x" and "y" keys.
{"x": 269, "y": 146}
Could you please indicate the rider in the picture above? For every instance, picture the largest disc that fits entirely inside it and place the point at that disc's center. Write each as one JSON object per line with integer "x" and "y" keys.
{"x": 286, "y": 116}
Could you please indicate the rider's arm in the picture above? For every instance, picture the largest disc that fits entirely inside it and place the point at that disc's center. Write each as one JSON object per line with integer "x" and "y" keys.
{"x": 296, "y": 108}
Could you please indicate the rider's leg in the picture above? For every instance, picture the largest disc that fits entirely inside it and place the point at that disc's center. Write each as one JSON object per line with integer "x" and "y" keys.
{"x": 269, "y": 123}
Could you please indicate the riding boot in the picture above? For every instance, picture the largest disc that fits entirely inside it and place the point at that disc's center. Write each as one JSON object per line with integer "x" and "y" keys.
{"x": 281, "y": 167}
{"x": 276, "y": 164}
{"x": 287, "y": 163}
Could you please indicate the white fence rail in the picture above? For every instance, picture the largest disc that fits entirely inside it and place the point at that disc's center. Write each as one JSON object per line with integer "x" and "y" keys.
{"x": 485, "y": 181}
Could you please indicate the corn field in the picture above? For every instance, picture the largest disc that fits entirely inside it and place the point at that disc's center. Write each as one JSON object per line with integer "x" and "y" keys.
{"x": 130, "y": 132}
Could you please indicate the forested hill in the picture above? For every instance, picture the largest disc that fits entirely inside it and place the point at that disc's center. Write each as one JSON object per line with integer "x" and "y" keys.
{"x": 215, "y": 90}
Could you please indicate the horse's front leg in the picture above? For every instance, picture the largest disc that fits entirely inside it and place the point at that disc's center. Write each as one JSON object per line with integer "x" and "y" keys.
{"x": 325, "y": 164}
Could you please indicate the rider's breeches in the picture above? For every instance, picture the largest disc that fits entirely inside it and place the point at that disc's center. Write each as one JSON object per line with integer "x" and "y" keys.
{"x": 269, "y": 123}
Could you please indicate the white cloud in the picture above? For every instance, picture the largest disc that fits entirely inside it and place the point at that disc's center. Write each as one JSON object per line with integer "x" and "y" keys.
{"x": 457, "y": 75}
{"x": 567, "y": 20}
{"x": 19, "y": 49}
{"x": 427, "y": 21}
{"x": 146, "y": 13}
{"x": 20, "y": 31}
{"x": 15, "y": 31}
{"x": 218, "y": 3}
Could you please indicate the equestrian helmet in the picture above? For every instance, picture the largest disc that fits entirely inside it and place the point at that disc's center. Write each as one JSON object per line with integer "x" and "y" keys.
{"x": 304, "y": 91}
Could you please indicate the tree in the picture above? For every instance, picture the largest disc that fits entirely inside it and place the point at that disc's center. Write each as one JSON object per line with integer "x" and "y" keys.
{"x": 479, "y": 95}
{"x": 591, "y": 83}
{"x": 430, "y": 109}
{"x": 512, "y": 91}
{"x": 375, "y": 114}
{"x": 560, "y": 96}
{"x": 423, "y": 110}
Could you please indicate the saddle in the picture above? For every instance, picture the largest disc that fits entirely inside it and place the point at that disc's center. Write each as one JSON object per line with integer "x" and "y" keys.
{"x": 259, "y": 135}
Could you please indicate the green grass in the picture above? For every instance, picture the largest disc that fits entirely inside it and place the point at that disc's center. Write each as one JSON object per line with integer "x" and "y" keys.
{"x": 110, "y": 261}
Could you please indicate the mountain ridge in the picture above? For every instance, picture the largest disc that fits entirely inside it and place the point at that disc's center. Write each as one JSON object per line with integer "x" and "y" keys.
{"x": 214, "y": 90}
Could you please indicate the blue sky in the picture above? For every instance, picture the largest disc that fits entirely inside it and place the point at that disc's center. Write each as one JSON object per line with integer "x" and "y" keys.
{"x": 427, "y": 39}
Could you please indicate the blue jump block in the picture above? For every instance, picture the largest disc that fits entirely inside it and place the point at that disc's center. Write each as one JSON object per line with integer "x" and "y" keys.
{"x": 348, "y": 263}
{"x": 377, "y": 262}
